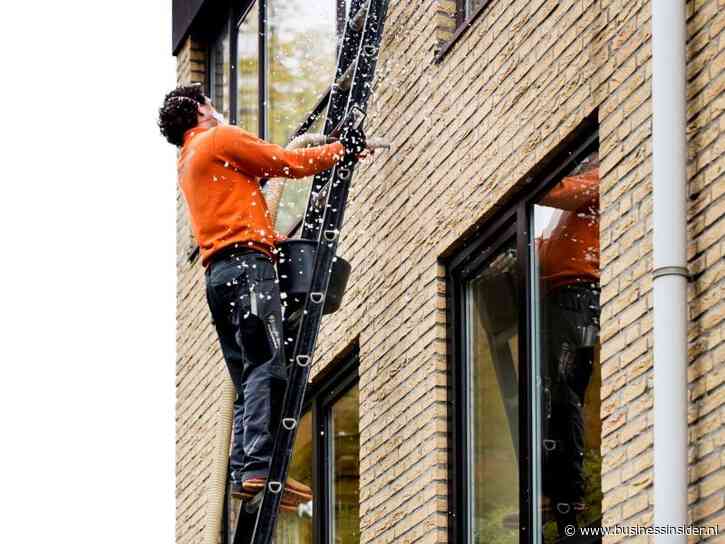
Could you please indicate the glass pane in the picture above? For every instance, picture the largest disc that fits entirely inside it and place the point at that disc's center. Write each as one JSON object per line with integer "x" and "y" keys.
{"x": 346, "y": 468}
{"x": 219, "y": 72}
{"x": 492, "y": 332}
{"x": 302, "y": 57}
{"x": 248, "y": 71}
{"x": 296, "y": 527}
{"x": 293, "y": 203}
{"x": 472, "y": 6}
{"x": 566, "y": 298}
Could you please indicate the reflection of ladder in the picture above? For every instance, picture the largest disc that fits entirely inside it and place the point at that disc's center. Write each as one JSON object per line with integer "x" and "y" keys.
{"x": 323, "y": 220}
{"x": 498, "y": 312}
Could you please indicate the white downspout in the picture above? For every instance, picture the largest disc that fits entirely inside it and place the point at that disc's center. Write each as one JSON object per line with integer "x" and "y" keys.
{"x": 669, "y": 176}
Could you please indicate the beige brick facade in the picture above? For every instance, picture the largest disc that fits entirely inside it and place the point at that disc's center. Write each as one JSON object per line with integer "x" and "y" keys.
{"x": 466, "y": 133}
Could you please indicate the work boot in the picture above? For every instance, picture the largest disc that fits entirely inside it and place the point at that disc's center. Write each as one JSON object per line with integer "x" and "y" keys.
{"x": 294, "y": 492}
{"x": 239, "y": 493}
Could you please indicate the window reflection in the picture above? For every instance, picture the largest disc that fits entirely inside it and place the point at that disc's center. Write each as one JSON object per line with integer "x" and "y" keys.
{"x": 296, "y": 527}
{"x": 302, "y": 55}
{"x": 248, "y": 71}
{"x": 346, "y": 468}
{"x": 492, "y": 332}
{"x": 219, "y": 74}
{"x": 566, "y": 225}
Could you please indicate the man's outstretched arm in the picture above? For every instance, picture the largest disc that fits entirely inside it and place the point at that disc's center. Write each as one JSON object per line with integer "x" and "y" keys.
{"x": 261, "y": 159}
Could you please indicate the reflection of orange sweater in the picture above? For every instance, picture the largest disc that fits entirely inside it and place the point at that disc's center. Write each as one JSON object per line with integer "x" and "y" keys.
{"x": 571, "y": 254}
{"x": 219, "y": 171}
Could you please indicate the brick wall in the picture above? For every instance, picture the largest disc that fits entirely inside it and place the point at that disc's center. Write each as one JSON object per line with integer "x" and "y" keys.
{"x": 199, "y": 364}
{"x": 465, "y": 133}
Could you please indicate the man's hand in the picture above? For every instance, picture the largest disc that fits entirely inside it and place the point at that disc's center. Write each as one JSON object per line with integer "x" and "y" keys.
{"x": 368, "y": 152}
{"x": 354, "y": 141}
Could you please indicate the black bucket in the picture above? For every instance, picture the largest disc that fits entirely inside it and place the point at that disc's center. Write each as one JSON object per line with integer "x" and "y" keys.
{"x": 295, "y": 267}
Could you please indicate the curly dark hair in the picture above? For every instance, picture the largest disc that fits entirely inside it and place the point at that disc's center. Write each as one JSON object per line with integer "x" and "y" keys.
{"x": 178, "y": 114}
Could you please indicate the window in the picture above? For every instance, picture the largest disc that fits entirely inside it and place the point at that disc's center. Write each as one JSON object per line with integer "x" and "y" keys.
{"x": 344, "y": 434}
{"x": 219, "y": 74}
{"x": 566, "y": 299}
{"x": 492, "y": 436}
{"x": 301, "y": 47}
{"x": 524, "y": 314}
{"x": 248, "y": 71}
{"x": 467, "y": 11}
{"x": 470, "y": 7}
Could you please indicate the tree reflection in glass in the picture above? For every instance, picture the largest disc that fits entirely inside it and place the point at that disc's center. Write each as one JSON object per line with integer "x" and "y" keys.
{"x": 492, "y": 323}
{"x": 248, "y": 71}
{"x": 296, "y": 527}
{"x": 346, "y": 468}
{"x": 302, "y": 56}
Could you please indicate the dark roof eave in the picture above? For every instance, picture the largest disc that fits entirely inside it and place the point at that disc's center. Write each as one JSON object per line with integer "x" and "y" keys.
{"x": 183, "y": 15}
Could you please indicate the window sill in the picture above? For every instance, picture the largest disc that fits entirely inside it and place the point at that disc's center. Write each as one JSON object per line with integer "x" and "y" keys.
{"x": 462, "y": 28}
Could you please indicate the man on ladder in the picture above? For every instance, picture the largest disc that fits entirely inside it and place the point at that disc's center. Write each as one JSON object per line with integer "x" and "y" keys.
{"x": 219, "y": 172}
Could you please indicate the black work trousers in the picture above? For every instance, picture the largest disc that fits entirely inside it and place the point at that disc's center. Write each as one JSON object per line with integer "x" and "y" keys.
{"x": 243, "y": 295}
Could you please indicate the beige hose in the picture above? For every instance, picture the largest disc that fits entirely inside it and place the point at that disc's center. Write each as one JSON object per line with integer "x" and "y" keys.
{"x": 218, "y": 480}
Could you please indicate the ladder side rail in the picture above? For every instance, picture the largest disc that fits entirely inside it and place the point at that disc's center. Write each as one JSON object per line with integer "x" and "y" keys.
{"x": 334, "y": 209}
{"x": 368, "y": 57}
{"x": 347, "y": 56}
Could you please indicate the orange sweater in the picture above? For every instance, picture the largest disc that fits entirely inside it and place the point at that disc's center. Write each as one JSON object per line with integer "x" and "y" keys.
{"x": 219, "y": 170}
{"x": 571, "y": 253}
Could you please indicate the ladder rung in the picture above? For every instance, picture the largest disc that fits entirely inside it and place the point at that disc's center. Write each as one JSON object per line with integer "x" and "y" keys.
{"x": 319, "y": 199}
{"x": 252, "y": 505}
{"x": 345, "y": 80}
{"x": 275, "y": 487}
{"x": 303, "y": 360}
{"x": 317, "y": 298}
{"x": 345, "y": 173}
{"x": 357, "y": 22}
{"x": 289, "y": 423}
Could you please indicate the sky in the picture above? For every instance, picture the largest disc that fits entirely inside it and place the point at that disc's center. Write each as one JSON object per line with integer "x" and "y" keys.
{"x": 87, "y": 281}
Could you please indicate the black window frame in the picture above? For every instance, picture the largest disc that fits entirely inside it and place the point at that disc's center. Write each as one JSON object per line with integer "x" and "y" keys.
{"x": 463, "y": 23}
{"x": 220, "y": 28}
{"x": 462, "y": 264}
